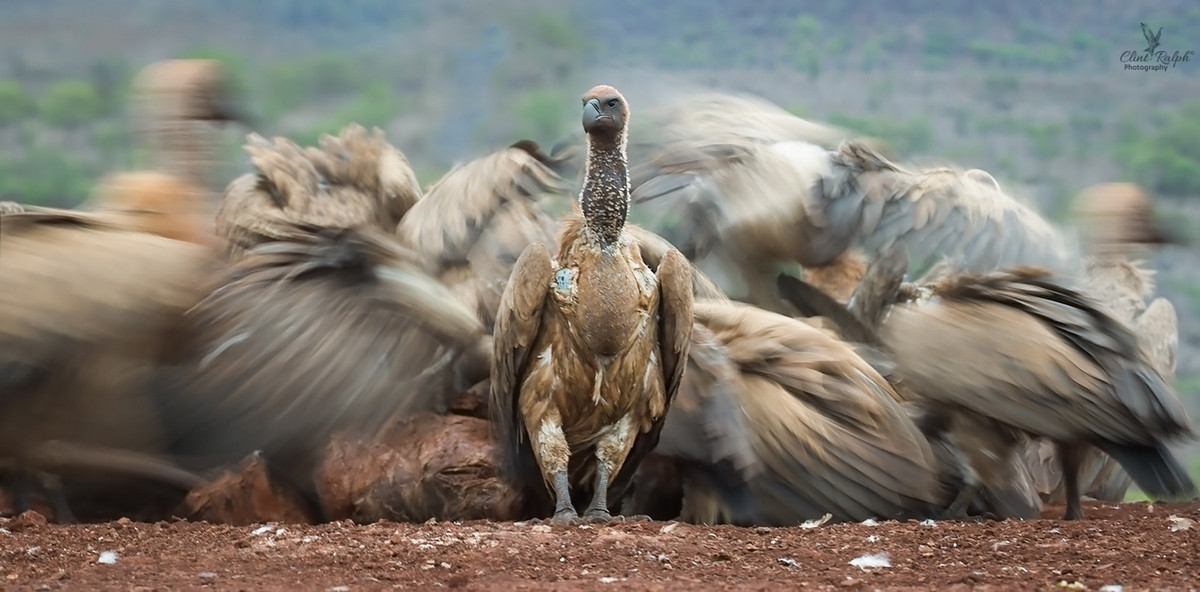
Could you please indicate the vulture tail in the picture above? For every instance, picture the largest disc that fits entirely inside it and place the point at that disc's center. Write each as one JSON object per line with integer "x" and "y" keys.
{"x": 1155, "y": 470}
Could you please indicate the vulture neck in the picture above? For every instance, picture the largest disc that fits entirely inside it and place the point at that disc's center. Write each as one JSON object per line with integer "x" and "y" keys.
{"x": 604, "y": 198}
{"x": 178, "y": 145}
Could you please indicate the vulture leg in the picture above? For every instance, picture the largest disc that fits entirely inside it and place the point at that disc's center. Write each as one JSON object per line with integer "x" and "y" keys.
{"x": 22, "y": 487}
{"x": 1071, "y": 457}
{"x": 56, "y": 495}
{"x": 553, "y": 454}
{"x": 611, "y": 451}
{"x": 970, "y": 484}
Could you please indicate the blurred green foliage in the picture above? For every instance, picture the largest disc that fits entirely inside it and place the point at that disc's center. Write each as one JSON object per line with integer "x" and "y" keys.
{"x": 1165, "y": 157}
{"x": 71, "y": 103}
{"x": 15, "y": 102}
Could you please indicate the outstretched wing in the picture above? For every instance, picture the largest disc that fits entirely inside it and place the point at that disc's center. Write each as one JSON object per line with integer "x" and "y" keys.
{"x": 942, "y": 211}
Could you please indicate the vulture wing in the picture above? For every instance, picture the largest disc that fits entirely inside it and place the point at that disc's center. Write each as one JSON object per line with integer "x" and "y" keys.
{"x": 707, "y": 430}
{"x": 827, "y": 428}
{"x": 1034, "y": 355}
{"x": 319, "y": 331}
{"x": 963, "y": 214}
{"x": 518, "y": 322}
{"x": 353, "y": 181}
{"x": 476, "y": 221}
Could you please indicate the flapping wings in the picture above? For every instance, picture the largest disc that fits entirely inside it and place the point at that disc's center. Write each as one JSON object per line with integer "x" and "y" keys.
{"x": 476, "y": 221}
{"x": 319, "y": 331}
{"x": 827, "y": 428}
{"x": 355, "y": 180}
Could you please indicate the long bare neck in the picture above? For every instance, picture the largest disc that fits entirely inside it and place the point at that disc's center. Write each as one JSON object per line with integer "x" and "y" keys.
{"x": 604, "y": 198}
{"x": 178, "y": 145}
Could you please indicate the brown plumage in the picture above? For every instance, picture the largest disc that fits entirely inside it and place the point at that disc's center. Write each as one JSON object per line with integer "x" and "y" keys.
{"x": 1019, "y": 348}
{"x": 1118, "y": 225}
{"x": 590, "y": 346}
{"x": 827, "y": 429}
{"x": 978, "y": 458}
{"x": 174, "y": 104}
{"x": 704, "y": 460}
{"x": 88, "y": 302}
{"x": 473, "y": 224}
{"x": 354, "y": 180}
{"x": 317, "y": 331}
{"x": 751, "y": 203}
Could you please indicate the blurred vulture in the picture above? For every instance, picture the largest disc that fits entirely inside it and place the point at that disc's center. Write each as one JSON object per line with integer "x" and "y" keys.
{"x": 88, "y": 302}
{"x": 827, "y": 433}
{"x": 1022, "y": 350}
{"x": 354, "y": 180}
{"x": 174, "y": 104}
{"x": 976, "y": 456}
{"x": 754, "y": 200}
{"x": 589, "y": 345}
{"x": 320, "y": 330}
{"x": 1118, "y": 224}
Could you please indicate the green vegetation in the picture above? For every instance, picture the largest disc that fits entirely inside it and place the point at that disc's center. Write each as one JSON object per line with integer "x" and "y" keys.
{"x": 71, "y": 103}
{"x": 15, "y": 103}
{"x": 1166, "y": 157}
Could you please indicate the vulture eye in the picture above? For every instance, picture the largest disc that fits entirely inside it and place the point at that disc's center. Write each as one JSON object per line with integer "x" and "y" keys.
{"x": 613, "y": 103}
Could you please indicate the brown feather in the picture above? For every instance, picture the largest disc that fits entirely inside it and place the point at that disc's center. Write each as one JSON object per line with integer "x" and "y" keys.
{"x": 828, "y": 429}
{"x": 1017, "y": 347}
{"x": 355, "y": 180}
{"x": 321, "y": 330}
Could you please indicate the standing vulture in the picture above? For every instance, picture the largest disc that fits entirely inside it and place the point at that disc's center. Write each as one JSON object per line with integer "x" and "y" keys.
{"x": 1021, "y": 349}
{"x": 752, "y": 201}
{"x": 590, "y": 346}
{"x": 1118, "y": 223}
{"x": 354, "y": 180}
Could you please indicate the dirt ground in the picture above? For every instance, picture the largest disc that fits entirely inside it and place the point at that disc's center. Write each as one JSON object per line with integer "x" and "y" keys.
{"x": 1139, "y": 546}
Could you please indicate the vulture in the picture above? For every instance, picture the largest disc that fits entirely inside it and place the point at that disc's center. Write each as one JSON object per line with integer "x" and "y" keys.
{"x": 976, "y": 457}
{"x": 1118, "y": 223}
{"x": 89, "y": 301}
{"x": 354, "y": 180}
{"x": 320, "y": 331}
{"x": 752, "y": 201}
{"x": 1019, "y": 348}
{"x": 827, "y": 431}
{"x": 174, "y": 104}
{"x": 589, "y": 345}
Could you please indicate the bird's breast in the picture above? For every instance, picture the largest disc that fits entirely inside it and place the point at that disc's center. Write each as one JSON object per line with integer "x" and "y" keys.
{"x": 613, "y": 306}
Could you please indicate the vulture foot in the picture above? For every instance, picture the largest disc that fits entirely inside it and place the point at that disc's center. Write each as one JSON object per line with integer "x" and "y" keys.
{"x": 24, "y": 484}
{"x": 957, "y": 510}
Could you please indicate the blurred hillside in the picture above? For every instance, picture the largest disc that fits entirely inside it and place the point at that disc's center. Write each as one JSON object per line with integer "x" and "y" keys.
{"x": 1031, "y": 91}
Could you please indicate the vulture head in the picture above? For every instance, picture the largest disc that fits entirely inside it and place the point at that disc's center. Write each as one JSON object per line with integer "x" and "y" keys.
{"x": 194, "y": 89}
{"x": 605, "y": 113}
{"x": 1118, "y": 216}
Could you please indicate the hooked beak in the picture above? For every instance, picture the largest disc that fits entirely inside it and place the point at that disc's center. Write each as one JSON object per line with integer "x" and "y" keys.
{"x": 224, "y": 108}
{"x": 591, "y": 113}
{"x": 1159, "y": 234}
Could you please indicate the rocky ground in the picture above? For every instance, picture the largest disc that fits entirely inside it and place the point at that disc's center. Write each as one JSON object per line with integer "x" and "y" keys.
{"x": 1133, "y": 546}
